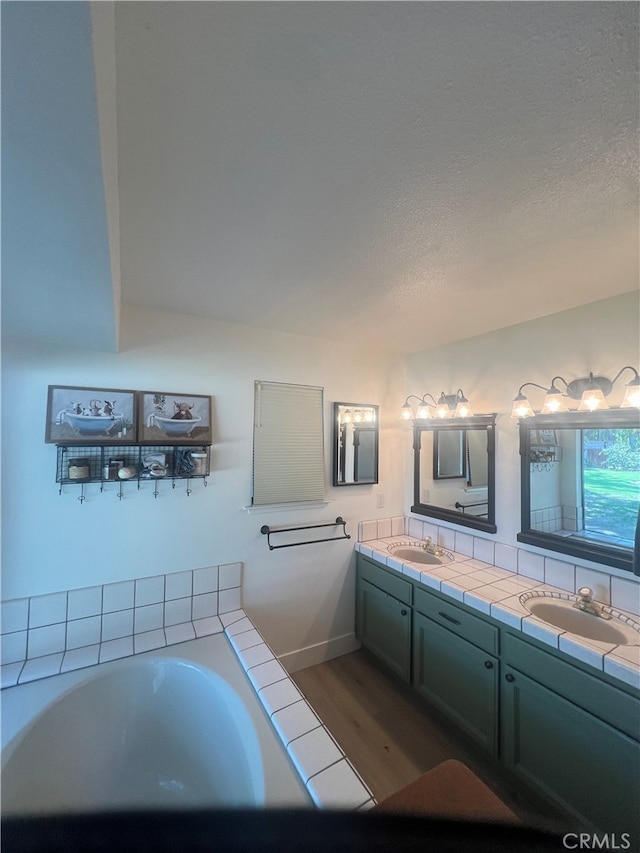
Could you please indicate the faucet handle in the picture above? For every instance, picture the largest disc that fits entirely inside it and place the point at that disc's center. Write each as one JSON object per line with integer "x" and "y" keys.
{"x": 585, "y": 593}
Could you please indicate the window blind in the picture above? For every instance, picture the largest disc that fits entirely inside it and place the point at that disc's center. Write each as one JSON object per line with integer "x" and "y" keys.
{"x": 288, "y": 443}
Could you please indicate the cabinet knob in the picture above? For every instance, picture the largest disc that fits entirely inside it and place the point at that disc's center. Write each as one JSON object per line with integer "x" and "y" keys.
{"x": 403, "y": 612}
{"x": 509, "y": 677}
{"x": 488, "y": 664}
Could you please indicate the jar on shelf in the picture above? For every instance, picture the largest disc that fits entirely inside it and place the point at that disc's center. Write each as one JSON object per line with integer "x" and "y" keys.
{"x": 78, "y": 469}
{"x": 199, "y": 463}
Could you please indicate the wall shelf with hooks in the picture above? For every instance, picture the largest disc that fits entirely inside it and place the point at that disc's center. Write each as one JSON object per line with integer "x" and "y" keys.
{"x": 79, "y": 465}
{"x": 543, "y": 457}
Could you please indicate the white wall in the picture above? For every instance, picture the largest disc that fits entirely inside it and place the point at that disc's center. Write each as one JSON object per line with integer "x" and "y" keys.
{"x": 56, "y": 246}
{"x": 298, "y": 596}
{"x": 303, "y": 596}
{"x": 601, "y": 337}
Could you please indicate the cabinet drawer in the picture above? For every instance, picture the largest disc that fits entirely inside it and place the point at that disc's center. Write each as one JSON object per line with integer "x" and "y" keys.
{"x": 385, "y": 580}
{"x": 455, "y": 619}
{"x": 614, "y": 706}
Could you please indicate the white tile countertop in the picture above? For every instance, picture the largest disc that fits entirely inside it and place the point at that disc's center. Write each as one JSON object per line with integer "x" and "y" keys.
{"x": 496, "y": 592}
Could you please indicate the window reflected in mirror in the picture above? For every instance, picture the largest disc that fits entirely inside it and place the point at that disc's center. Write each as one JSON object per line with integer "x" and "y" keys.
{"x": 581, "y": 485}
{"x": 355, "y": 444}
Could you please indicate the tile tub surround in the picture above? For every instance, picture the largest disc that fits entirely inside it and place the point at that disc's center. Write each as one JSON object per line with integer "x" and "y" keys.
{"x": 496, "y": 592}
{"x": 327, "y": 774}
{"x": 48, "y": 634}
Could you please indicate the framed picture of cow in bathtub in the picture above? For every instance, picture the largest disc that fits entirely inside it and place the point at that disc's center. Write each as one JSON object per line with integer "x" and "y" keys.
{"x": 79, "y": 415}
{"x": 165, "y": 418}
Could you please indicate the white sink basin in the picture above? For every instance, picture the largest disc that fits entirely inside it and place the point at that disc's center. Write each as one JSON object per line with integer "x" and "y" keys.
{"x": 562, "y": 614}
{"x": 416, "y": 554}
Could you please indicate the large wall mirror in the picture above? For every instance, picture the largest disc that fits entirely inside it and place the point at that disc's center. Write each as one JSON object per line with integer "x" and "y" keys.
{"x": 581, "y": 484}
{"x": 355, "y": 444}
{"x": 454, "y": 470}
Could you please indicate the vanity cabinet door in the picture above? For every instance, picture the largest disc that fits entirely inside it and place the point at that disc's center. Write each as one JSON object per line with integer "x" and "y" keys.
{"x": 383, "y": 625}
{"x": 583, "y": 764}
{"x": 458, "y": 678}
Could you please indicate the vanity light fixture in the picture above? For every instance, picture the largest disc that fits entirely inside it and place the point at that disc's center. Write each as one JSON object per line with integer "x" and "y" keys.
{"x": 357, "y": 416}
{"x": 591, "y": 391}
{"x": 446, "y": 406}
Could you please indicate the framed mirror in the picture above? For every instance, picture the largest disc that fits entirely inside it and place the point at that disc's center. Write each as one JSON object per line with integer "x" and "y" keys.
{"x": 449, "y": 454}
{"x": 580, "y": 484}
{"x": 454, "y": 470}
{"x": 355, "y": 444}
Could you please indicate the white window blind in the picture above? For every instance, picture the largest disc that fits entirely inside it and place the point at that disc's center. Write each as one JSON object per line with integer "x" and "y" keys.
{"x": 288, "y": 443}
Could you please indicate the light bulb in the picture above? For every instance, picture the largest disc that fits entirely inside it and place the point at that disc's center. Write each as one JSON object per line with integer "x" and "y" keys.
{"x": 631, "y": 395}
{"x": 592, "y": 399}
{"x": 521, "y": 407}
{"x": 553, "y": 402}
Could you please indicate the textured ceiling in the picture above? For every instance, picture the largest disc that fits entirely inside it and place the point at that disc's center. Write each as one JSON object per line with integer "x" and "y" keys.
{"x": 424, "y": 171}
{"x": 400, "y": 174}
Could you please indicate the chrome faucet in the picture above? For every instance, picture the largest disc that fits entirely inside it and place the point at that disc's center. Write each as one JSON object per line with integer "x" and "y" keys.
{"x": 431, "y": 548}
{"x": 586, "y": 603}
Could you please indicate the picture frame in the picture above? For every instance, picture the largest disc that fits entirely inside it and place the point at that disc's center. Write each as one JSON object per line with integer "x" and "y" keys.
{"x": 174, "y": 418}
{"x": 83, "y": 415}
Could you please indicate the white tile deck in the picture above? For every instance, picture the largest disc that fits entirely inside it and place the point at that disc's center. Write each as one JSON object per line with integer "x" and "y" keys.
{"x": 339, "y": 786}
{"x": 80, "y": 658}
{"x": 41, "y": 667}
{"x": 255, "y": 655}
{"x": 313, "y": 752}
{"x": 276, "y": 696}
{"x": 294, "y": 721}
{"x": 266, "y": 673}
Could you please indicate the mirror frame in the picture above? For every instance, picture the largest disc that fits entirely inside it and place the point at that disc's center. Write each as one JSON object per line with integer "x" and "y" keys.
{"x": 486, "y": 422}
{"x": 593, "y": 551}
{"x": 335, "y": 435}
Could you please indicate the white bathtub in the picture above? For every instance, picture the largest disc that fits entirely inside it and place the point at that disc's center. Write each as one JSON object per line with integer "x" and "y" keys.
{"x": 176, "y": 727}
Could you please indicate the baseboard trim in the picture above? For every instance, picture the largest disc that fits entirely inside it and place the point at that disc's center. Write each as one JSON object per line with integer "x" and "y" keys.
{"x": 319, "y": 652}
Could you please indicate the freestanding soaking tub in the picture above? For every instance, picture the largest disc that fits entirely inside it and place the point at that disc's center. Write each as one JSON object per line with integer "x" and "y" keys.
{"x": 178, "y": 727}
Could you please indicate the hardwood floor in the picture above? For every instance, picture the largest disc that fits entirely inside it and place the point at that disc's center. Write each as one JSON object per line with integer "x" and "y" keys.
{"x": 392, "y": 737}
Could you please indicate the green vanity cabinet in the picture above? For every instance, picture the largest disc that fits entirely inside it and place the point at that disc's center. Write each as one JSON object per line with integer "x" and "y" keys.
{"x": 383, "y": 616}
{"x": 567, "y": 731}
{"x": 458, "y": 678}
{"x": 572, "y": 736}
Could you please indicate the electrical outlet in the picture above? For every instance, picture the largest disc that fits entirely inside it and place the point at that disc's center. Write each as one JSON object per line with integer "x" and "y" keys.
{"x": 379, "y": 501}
{"x": 426, "y": 495}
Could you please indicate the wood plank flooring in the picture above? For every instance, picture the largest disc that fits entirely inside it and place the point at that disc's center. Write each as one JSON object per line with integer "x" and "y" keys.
{"x": 392, "y": 736}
